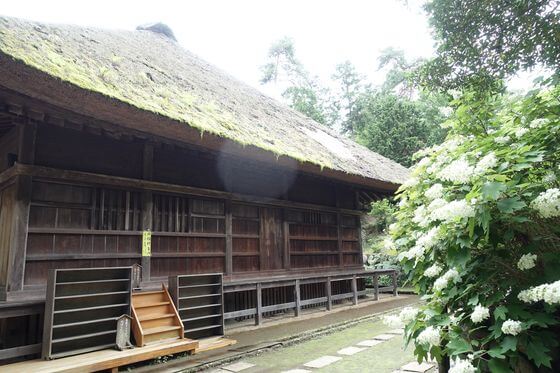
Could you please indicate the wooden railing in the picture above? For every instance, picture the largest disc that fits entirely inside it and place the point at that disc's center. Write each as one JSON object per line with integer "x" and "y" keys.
{"x": 297, "y": 281}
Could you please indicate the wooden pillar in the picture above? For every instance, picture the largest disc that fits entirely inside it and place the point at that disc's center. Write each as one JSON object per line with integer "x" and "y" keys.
{"x": 339, "y": 235}
{"x": 229, "y": 238}
{"x": 258, "y": 315}
{"x": 375, "y": 287}
{"x": 328, "y": 291}
{"x": 18, "y": 242}
{"x": 395, "y": 292}
{"x": 297, "y": 296}
{"x": 147, "y": 203}
{"x": 354, "y": 290}
{"x": 27, "y": 133}
{"x": 286, "y": 237}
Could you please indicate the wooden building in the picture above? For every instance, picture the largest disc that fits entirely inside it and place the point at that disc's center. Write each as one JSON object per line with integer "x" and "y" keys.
{"x": 106, "y": 134}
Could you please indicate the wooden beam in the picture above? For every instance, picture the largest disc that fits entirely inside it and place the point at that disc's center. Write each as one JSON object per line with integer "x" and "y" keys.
{"x": 26, "y": 142}
{"x": 286, "y": 241}
{"x": 375, "y": 287}
{"x": 148, "y": 161}
{"x": 394, "y": 275}
{"x": 229, "y": 238}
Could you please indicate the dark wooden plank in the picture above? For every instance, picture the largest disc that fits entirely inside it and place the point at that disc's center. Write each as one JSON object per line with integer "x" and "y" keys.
{"x": 148, "y": 161}
{"x": 339, "y": 241}
{"x": 147, "y": 222}
{"x": 395, "y": 285}
{"x": 8, "y": 353}
{"x": 375, "y": 287}
{"x": 26, "y": 143}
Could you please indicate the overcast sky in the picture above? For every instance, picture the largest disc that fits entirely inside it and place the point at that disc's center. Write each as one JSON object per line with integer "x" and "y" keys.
{"x": 236, "y": 35}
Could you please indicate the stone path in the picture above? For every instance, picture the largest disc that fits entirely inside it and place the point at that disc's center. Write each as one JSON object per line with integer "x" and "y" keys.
{"x": 367, "y": 347}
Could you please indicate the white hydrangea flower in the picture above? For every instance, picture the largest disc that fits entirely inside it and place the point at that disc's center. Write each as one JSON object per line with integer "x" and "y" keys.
{"x": 410, "y": 182}
{"x": 502, "y": 139}
{"x": 527, "y": 261}
{"x": 454, "y": 319}
{"x": 435, "y": 191}
{"x": 521, "y": 131}
{"x": 538, "y": 123}
{"x": 462, "y": 366}
{"x": 480, "y": 314}
{"x": 392, "y": 321}
{"x": 421, "y": 216}
{"x": 408, "y": 314}
{"x": 458, "y": 172}
{"x": 416, "y": 252}
{"x": 442, "y": 282}
{"x": 549, "y": 178}
{"x": 429, "y": 336}
{"x": 512, "y": 327}
{"x": 452, "y": 211}
{"x": 549, "y": 293}
{"x": 424, "y": 162}
{"x": 487, "y": 162}
{"x": 433, "y": 271}
{"x": 428, "y": 240}
{"x": 547, "y": 203}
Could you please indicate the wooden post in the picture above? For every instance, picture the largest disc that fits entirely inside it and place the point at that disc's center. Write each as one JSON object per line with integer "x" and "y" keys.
{"x": 18, "y": 245}
{"x": 27, "y": 133}
{"x": 258, "y": 315}
{"x": 339, "y": 235}
{"x": 297, "y": 297}
{"x": 395, "y": 293}
{"x": 147, "y": 203}
{"x": 354, "y": 290}
{"x": 328, "y": 289}
{"x": 375, "y": 287}
{"x": 286, "y": 237}
{"x": 229, "y": 238}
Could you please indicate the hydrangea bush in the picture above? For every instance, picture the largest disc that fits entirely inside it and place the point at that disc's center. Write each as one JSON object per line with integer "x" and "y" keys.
{"x": 478, "y": 234}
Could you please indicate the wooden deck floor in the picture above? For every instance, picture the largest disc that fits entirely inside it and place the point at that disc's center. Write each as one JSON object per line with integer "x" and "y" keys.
{"x": 102, "y": 360}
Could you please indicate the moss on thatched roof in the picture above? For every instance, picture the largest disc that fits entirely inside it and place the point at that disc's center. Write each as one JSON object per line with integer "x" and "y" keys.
{"x": 153, "y": 73}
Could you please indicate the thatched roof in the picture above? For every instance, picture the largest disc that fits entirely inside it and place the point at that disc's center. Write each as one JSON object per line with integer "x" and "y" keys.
{"x": 150, "y": 72}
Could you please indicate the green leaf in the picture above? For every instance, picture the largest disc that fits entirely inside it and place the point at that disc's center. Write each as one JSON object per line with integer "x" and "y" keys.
{"x": 509, "y": 344}
{"x": 510, "y": 205}
{"x": 499, "y": 366}
{"x": 458, "y": 346}
{"x": 500, "y": 313}
{"x": 493, "y": 190}
{"x": 537, "y": 352}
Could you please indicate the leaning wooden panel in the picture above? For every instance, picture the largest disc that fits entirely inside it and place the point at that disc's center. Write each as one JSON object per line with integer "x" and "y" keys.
{"x": 200, "y": 302}
{"x": 82, "y": 307}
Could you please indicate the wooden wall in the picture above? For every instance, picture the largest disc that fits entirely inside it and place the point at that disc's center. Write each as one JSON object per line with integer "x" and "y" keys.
{"x": 7, "y": 201}
{"x": 73, "y": 225}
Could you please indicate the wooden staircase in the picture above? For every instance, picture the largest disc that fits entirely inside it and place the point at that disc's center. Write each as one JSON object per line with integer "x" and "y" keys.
{"x": 155, "y": 317}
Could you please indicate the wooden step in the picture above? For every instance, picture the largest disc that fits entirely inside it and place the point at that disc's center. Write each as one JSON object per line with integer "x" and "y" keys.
{"x": 155, "y": 317}
{"x": 162, "y": 332}
{"x": 160, "y": 321}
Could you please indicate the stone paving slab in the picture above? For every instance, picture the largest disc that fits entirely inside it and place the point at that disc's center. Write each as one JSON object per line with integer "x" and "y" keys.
{"x": 396, "y": 331}
{"x": 296, "y": 371}
{"x": 350, "y": 350}
{"x": 369, "y": 343}
{"x": 417, "y": 368}
{"x": 238, "y": 367}
{"x": 322, "y": 361}
{"x": 384, "y": 337}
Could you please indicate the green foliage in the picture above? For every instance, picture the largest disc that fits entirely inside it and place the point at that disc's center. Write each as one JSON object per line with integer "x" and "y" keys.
{"x": 396, "y": 127}
{"x": 480, "y": 44}
{"x": 467, "y": 217}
